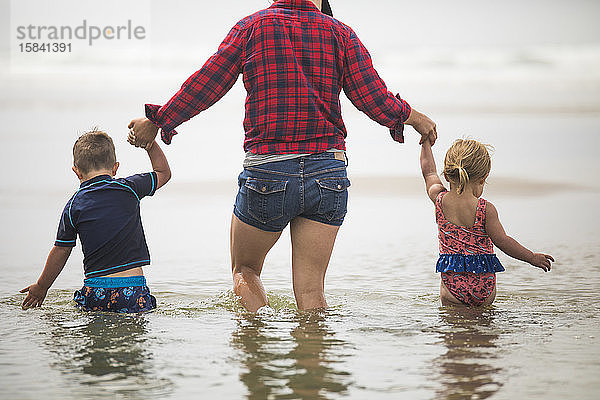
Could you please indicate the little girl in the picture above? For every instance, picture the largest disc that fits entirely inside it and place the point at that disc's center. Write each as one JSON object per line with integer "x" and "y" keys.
{"x": 468, "y": 225}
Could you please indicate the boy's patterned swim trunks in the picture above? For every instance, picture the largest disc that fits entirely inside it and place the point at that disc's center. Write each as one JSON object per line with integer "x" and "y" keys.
{"x": 122, "y": 295}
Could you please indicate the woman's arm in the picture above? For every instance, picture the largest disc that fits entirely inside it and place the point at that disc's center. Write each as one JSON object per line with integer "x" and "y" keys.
{"x": 200, "y": 91}
{"x": 433, "y": 183}
{"x": 369, "y": 93}
{"x": 423, "y": 125}
{"x": 510, "y": 246}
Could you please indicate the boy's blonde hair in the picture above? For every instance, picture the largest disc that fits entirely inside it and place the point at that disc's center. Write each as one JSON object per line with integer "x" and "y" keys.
{"x": 466, "y": 160}
{"x": 94, "y": 151}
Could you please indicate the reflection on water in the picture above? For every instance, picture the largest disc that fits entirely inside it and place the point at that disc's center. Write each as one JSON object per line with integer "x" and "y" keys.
{"x": 106, "y": 352}
{"x": 464, "y": 370}
{"x": 302, "y": 364}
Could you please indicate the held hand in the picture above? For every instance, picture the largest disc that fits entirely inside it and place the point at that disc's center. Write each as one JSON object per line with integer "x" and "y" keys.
{"x": 142, "y": 133}
{"x": 35, "y": 297}
{"x": 423, "y": 125}
{"x": 542, "y": 261}
{"x": 131, "y": 139}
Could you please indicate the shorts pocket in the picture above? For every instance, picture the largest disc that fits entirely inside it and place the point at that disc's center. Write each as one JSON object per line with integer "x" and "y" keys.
{"x": 265, "y": 198}
{"x": 334, "y": 197}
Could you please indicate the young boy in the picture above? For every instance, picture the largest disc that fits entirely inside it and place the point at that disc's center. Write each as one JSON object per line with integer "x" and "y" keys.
{"x": 105, "y": 213}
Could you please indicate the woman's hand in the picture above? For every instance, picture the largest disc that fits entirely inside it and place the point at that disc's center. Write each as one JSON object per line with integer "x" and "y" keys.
{"x": 423, "y": 125}
{"x": 142, "y": 133}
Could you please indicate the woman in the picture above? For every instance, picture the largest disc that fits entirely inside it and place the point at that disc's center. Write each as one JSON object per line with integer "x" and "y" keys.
{"x": 295, "y": 60}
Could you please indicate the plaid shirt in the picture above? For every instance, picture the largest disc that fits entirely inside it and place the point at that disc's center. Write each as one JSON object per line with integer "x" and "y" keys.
{"x": 295, "y": 61}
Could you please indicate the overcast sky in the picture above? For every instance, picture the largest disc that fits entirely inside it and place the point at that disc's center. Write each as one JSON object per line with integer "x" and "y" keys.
{"x": 379, "y": 23}
{"x": 423, "y": 22}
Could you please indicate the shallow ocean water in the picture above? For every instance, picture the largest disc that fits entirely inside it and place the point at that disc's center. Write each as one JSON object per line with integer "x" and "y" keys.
{"x": 384, "y": 335}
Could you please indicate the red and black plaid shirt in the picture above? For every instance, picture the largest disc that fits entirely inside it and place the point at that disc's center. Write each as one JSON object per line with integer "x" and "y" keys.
{"x": 295, "y": 61}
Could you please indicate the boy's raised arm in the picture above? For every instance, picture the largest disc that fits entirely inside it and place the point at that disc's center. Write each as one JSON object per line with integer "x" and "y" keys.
{"x": 160, "y": 165}
{"x": 54, "y": 265}
{"x": 433, "y": 183}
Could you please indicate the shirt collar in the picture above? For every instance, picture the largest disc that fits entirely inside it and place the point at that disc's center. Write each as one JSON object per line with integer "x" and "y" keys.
{"x": 95, "y": 179}
{"x": 305, "y": 5}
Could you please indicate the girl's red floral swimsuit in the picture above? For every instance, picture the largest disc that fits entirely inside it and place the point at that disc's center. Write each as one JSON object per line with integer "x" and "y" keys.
{"x": 467, "y": 261}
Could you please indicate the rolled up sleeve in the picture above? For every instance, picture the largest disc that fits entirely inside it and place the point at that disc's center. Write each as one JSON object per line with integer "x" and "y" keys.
{"x": 203, "y": 88}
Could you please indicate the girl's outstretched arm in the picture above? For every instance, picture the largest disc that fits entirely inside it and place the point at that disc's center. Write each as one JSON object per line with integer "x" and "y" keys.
{"x": 510, "y": 246}
{"x": 433, "y": 183}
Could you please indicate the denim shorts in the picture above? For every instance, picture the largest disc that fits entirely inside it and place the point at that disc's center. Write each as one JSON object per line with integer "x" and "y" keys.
{"x": 315, "y": 187}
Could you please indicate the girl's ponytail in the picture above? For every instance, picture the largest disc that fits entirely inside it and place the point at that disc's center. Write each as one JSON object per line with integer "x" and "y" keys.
{"x": 466, "y": 160}
{"x": 463, "y": 178}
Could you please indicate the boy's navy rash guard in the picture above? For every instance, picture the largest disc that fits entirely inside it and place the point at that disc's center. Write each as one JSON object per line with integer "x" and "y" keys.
{"x": 105, "y": 213}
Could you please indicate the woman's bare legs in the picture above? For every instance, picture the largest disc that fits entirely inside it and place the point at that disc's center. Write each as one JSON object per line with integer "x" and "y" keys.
{"x": 312, "y": 244}
{"x": 249, "y": 247}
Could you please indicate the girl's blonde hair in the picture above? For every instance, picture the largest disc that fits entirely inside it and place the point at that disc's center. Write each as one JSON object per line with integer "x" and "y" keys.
{"x": 466, "y": 160}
